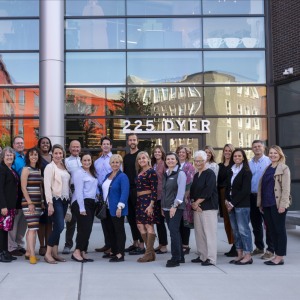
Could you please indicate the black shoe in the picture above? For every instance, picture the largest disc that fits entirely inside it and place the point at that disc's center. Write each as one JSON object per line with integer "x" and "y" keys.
{"x": 9, "y": 256}
{"x": 271, "y": 263}
{"x": 137, "y": 251}
{"x": 102, "y": 249}
{"x": 108, "y": 255}
{"x": 117, "y": 259}
{"x": 207, "y": 263}
{"x": 22, "y": 250}
{"x": 78, "y": 260}
{"x": 172, "y": 263}
{"x": 88, "y": 259}
{"x": 130, "y": 248}
{"x": 182, "y": 260}
{"x": 4, "y": 258}
{"x": 197, "y": 260}
{"x": 16, "y": 253}
{"x": 186, "y": 250}
{"x": 240, "y": 263}
{"x": 232, "y": 252}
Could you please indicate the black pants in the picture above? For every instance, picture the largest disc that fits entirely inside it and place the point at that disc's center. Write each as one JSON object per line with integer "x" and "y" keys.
{"x": 257, "y": 220}
{"x": 3, "y": 240}
{"x": 276, "y": 224}
{"x": 185, "y": 233}
{"x": 84, "y": 223}
{"x": 116, "y": 231}
{"x": 131, "y": 215}
{"x": 161, "y": 228}
{"x": 106, "y": 234}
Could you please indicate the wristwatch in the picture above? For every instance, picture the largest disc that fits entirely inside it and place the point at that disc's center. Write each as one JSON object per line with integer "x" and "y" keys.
{"x": 175, "y": 206}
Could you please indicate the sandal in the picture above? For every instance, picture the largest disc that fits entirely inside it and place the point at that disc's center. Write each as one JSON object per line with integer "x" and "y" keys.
{"x": 42, "y": 250}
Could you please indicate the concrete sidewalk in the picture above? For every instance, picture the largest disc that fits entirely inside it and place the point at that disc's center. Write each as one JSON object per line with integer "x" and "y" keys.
{"x": 132, "y": 280}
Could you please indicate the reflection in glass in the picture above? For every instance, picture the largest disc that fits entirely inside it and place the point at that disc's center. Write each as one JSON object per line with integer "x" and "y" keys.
{"x": 19, "y": 68}
{"x": 95, "y": 7}
{"x": 288, "y": 130}
{"x": 28, "y": 128}
{"x": 235, "y": 100}
{"x": 288, "y": 97}
{"x": 95, "y": 34}
{"x": 221, "y": 132}
{"x": 233, "y": 32}
{"x": 165, "y": 101}
{"x": 158, "y": 7}
{"x": 95, "y": 68}
{"x": 94, "y": 102}
{"x": 17, "y": 8}
{"x": 163, "y": 33}
{"x": 248, "y": 67}
{"x": 191, "y": 143}
{"x": 293, "y": 161}
{"x": 19, "y": 102}
{"x": 233, "y": 7}
{"x": 164, "y": 67}
{"x": 19, "y": 34}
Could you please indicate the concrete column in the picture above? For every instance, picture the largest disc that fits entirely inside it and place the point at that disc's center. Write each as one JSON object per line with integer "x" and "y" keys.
{"x": 52, "y": 105}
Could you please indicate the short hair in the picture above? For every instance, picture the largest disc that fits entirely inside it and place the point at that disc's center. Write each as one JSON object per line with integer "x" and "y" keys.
{"x": 114, "y": 157}
{"x": 245, "y": 161}
{"x": 57, "y": 146}
{"x": 40, "y": 141}
{"x": 213, "y": 153}
{"x": 131, "y": 134}
{"x": 258, "y": 142}
{"x": 231, "y": 147}
{"x": 280, "y": 152}
{"x": 92, "y": 167}
{"x": 200, "y": 153}
{"x": 137, "y": 166}
{"x": 163, "y": 157}
{"x": 176, "y": 156}
{"x": 105, "y": 138}
{"x": 27, "y": 160}
{"x": 186, "y": 149}
{"x": 17, "y": 137}
{"x": 6, "y": 149}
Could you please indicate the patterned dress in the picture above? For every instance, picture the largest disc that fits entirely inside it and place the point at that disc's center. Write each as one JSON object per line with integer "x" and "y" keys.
{"x": 34, "y": 183}
{"x": 147, "y": 181}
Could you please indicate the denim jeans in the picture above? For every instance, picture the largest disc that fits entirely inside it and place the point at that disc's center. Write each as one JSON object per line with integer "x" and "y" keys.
{"x": 174, "y": 228}
{"x": 58, "y": 221}
{"x": 239, "y": 219}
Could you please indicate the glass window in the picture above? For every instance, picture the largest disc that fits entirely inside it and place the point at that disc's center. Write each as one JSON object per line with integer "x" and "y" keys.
{"x": 163, "y": 33}
{"x": 95, "y": 34}
{"x": 233, "y": 7}
{"x": 253, "y": 96}
{"x": 95, "y": 101}
{"x": 219, "y": 126}
{"x": 288, "y": 130}
{"x": 17, "y": 8}
{"x": 233, "y": 32}
{"x": 164, "y": 101}
{"x": 295, "y": 191}
{"x": 18, "y": 102}
{"x": 19, "y": 34}
{"x": 248, "y": 67}
{"x": 158, "y": 7}
{"x": 95, "y": 7}
{"x": 19, "y": 68}
{"x": 288, "y": 97}
{"x": 293, "y": 161}
{"x": 28, "y": 128}
{"x": 164, "y": 67}
{"x": 95, "y": 68}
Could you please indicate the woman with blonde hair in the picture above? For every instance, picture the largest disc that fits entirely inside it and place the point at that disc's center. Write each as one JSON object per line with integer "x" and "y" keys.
{"x": 273, "y": 198}
{"x": 211, "y": 159}
{"x": 147, "y": 211}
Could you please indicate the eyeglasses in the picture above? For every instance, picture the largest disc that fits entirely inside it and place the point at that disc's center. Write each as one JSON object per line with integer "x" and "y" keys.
{"x": 199, "y": 161}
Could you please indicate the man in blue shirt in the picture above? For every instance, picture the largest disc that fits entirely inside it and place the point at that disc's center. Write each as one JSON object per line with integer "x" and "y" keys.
{"x": 16, "y": 236}
{"x": 258, "y": 164}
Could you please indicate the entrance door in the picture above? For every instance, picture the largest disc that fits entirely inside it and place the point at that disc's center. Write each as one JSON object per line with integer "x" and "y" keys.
{"x": 170, "y": 142}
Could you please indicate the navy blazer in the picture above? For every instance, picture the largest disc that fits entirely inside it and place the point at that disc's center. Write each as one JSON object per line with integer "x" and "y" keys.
{"x": 240, "y": 188}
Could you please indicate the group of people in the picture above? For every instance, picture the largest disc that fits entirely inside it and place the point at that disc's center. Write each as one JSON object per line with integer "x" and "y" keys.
{"x": 37, "y": 189}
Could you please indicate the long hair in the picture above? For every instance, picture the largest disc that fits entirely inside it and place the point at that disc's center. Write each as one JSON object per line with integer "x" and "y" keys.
{"x": 213, "y": 153}
{"x": 280, "y": 152}
{"x": 92, "y": 167}
{"x": 186, "y": 149}
{"x": 39, "y": 161}
{"x": 57, "y": 146}
{"x": 231, "y": 147}
{"x": 137, "y": 166}
{"x": 163, "y": 157}
{"x": 245, "y": 161}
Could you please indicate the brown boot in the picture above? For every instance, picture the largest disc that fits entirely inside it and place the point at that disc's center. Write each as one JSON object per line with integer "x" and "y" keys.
{"x": 150, "y": 253}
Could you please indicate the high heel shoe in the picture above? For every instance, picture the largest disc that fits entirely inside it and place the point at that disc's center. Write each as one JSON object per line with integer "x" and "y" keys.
{"x": 32, "y": 260}
{"x": 248, "y": 262}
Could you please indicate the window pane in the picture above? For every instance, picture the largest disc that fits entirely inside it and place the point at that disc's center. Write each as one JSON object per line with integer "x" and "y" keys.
{"x": 95, "y": 101}
{"x": 233, "y": 7}
{"x": 164, "y": 67}
{"x": 293, "y": 161}
{"x": 95, "y": 34}
{"x": 19, "y": 102}
{"x": 163, "y": 33}
{"x": 235, "y": 100}
{"x": 295, "y": 191}
{"x": 19, "y": 68}
{"x": 95, "y": 7}
{"x": 19, "y": 34}
{"x": 95, "y": 68}
{"x": 28, "y": 128}
{"x": 288, "y": 97}
{"x": 222, "y": 132}
{"x": 165, "y": 101}
{"x": 288, "y": 130}
{"x": 234, "y": 32}
{"x": 248, "y": 67}
{"x": 16, "y": 8}
{"x": 168, "y": 7}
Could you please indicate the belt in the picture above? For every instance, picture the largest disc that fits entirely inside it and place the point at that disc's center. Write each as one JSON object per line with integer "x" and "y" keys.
{"x": 254, "y": 194}
{"x": 141, "y": 193}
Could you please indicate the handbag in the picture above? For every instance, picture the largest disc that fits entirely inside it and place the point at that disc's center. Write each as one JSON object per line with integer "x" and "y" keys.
{"x": 100, "y": 211}
{"x": 68, "y": 216}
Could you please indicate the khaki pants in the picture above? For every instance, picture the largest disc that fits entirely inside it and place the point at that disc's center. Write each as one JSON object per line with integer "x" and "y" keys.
{"x": 16, "y": 235}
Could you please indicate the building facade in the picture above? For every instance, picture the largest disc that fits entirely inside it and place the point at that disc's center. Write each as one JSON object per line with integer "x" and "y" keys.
{"x": 192, "y": 72}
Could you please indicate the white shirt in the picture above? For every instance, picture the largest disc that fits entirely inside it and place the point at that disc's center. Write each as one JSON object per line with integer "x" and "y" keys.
{"x": 105, "y": 189}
